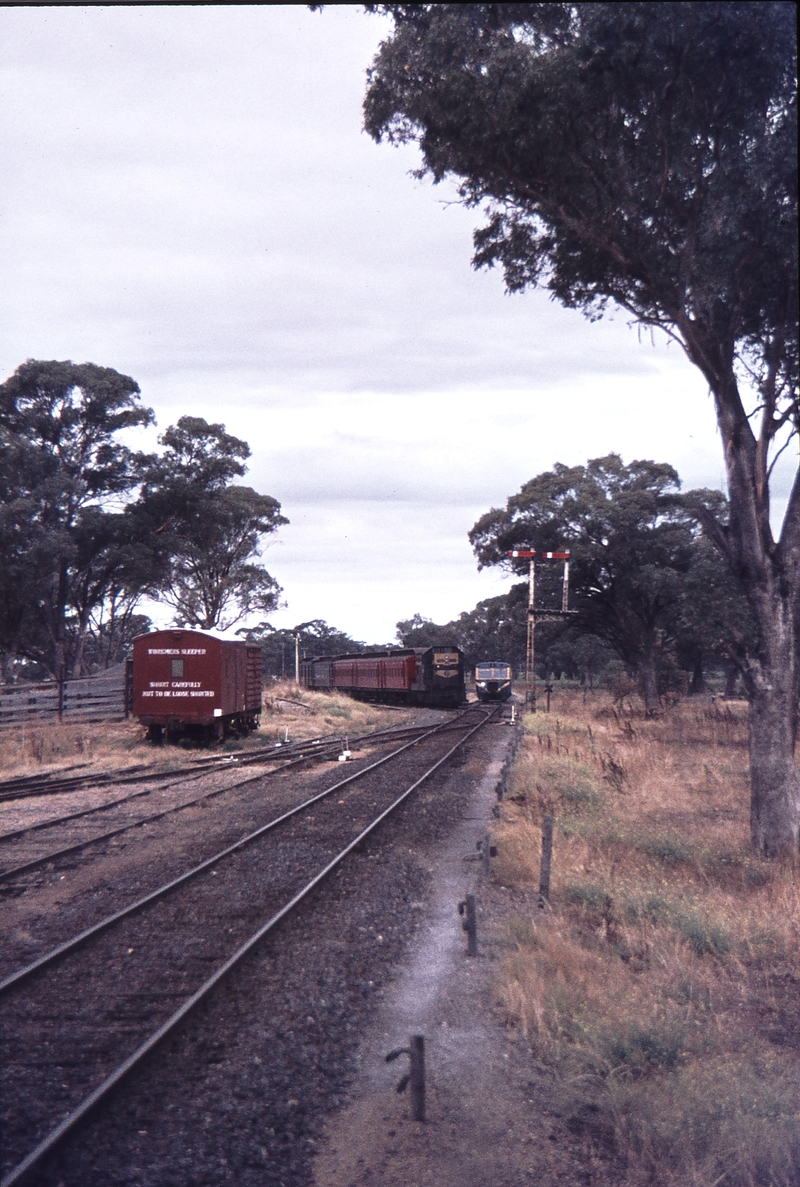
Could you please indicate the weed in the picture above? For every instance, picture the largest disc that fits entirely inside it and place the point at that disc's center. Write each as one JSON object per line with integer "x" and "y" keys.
{"x": 585, "y": 895}
{"x": 117, "y": 743}
{"x": 654, "y": 909}
{"x": 665, "y": 847}
{"x": 671, "y": 953}
{"x": 613, "y": 772}
{"x": 704, "y": 937}
{"x": 639, "y": 1049}
{"x": 339, "y": 711}
{"x": 521, "y": 931}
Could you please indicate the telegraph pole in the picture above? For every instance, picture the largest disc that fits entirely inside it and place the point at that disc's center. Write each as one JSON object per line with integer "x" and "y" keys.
{"x": 540, "y": 615}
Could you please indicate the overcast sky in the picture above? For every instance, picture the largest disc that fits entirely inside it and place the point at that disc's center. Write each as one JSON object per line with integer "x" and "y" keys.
{"x": 188, "y": 197}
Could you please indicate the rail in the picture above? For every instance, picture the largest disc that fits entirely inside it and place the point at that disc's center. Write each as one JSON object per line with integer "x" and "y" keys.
{"x": 46, "y": 1146}
{"x": 25, "y": 786}
{"x": 54, "y": 854}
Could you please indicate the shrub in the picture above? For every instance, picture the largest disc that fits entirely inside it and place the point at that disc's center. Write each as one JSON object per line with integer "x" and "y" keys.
{"x": 585, "y": 895}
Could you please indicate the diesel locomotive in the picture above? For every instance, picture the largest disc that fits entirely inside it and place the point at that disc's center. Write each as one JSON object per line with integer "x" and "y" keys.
{"x": 187, "y": 682}
{"x": 403, "y": 675}
{"x": 493, "y": 680}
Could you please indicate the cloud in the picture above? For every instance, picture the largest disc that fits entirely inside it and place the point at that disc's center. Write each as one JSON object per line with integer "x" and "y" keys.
{"x": 189, "y": 198}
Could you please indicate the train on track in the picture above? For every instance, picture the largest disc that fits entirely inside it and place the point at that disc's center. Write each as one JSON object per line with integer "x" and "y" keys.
{"x": 185, "y": 682}
{"x": 493, "y": 680}
{"x": 403, "y": 676}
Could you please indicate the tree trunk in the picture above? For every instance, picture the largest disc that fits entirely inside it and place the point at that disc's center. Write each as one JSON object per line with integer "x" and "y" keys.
{"x": 731, "y": 678}
{"x": 773, "y": 684}
{"x": 697, "y": 684}
{"x": 648, "y": 682}
{"x": 77, "y": 662}
{"x": 770, "y": 575}
{"x": 774, "y": 779}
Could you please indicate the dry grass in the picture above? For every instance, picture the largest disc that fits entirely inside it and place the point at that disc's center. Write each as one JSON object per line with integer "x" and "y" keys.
{"x": 307, "y": 714}
{"x": 289, "y": 714}
{"x": 664, "y": 982}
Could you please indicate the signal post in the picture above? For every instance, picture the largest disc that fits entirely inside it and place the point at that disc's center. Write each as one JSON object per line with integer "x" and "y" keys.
{"x": 535, "y": 615}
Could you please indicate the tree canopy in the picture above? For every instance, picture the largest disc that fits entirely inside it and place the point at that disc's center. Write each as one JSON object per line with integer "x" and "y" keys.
{"x": 89, "y": 526}
{"x": 637, "y": 559}
{"x": 204, "y": 533}
{"x": 315, "y": 637}
{"x": 64, "y": 479}
{"x": 644, "y": 156}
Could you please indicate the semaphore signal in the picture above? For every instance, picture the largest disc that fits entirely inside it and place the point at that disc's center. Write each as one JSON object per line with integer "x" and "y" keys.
{"x": 545, "y": 556}
{"x": 531, "y": 554}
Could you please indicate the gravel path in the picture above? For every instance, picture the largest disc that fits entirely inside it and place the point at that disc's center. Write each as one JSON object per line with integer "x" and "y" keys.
{"x": 492, "y": 1115}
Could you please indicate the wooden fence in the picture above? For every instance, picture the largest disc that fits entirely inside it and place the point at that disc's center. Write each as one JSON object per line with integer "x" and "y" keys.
{"x": 92, "y": 698}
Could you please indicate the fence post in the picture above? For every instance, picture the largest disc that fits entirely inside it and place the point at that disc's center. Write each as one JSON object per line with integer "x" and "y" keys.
{"x": 128, "y": 687}
{"x": 547, "y": 854}
{"x": 416, "y": 1074}
{"x": 470, "y": 924}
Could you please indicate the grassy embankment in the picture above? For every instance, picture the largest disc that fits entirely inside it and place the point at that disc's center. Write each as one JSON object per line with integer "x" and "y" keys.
{"x": 289, "y": 713}
{"x": 664, "y": 985}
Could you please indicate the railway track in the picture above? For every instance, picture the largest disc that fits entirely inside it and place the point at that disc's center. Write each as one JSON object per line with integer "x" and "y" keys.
{"x": 29, "y": 848}
{"x": 28, "y": 786}
{"x": 123, "y": 985}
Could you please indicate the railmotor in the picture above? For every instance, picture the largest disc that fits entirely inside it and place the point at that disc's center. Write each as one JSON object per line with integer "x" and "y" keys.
{"x": 493, "y": 680}
{"x": 187, "y": 682}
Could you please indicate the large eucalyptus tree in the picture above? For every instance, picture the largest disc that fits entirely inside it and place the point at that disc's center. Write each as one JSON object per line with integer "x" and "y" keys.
{"x": 643, "y": 155}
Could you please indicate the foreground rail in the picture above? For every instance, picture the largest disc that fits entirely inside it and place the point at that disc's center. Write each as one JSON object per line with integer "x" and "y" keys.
{"x": 19, "y": 1173}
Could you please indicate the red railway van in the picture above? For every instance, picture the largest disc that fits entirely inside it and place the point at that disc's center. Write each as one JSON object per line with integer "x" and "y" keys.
{"x": 189, "y": 682}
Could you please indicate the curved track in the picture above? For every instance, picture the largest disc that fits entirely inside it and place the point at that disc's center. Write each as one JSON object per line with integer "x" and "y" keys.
{"x": 212, "y": 915}
{"x": 28, "y": 786}
{"x": 27, "y": 848}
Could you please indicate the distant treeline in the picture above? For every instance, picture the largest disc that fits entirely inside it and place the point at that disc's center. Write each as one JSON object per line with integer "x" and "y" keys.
{"x": 653, "y": 598}
{"x": 89, "y": 527}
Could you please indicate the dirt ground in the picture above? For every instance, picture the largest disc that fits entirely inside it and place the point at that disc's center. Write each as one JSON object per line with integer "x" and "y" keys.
{"x": 488, "y": 1120}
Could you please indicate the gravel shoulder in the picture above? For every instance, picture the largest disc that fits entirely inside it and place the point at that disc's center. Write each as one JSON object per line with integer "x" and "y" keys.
{"x": 489, "y": 1118}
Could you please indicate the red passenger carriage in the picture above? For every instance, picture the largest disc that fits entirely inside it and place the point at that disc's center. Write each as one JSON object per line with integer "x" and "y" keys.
{"x": 407, "y": 675}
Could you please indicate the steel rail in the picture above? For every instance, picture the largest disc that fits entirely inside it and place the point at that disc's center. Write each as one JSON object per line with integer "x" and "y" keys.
{"x": 42, "y": 785}
{"x": 24, "y": 867}
{"x": 125, "y": 799}
{"x": 5, "y": 875}
{"x": 49, "y": 1143}
{"x": 75, "y": 941}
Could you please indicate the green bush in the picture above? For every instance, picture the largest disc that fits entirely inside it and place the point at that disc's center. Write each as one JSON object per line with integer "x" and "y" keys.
{"x": 338, "y": 711}
{"x": 665, "y": 847}
{"x": 586, "y": 894}
{"x": 645, "y": 1048}
{"x": 704, "y": 936}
